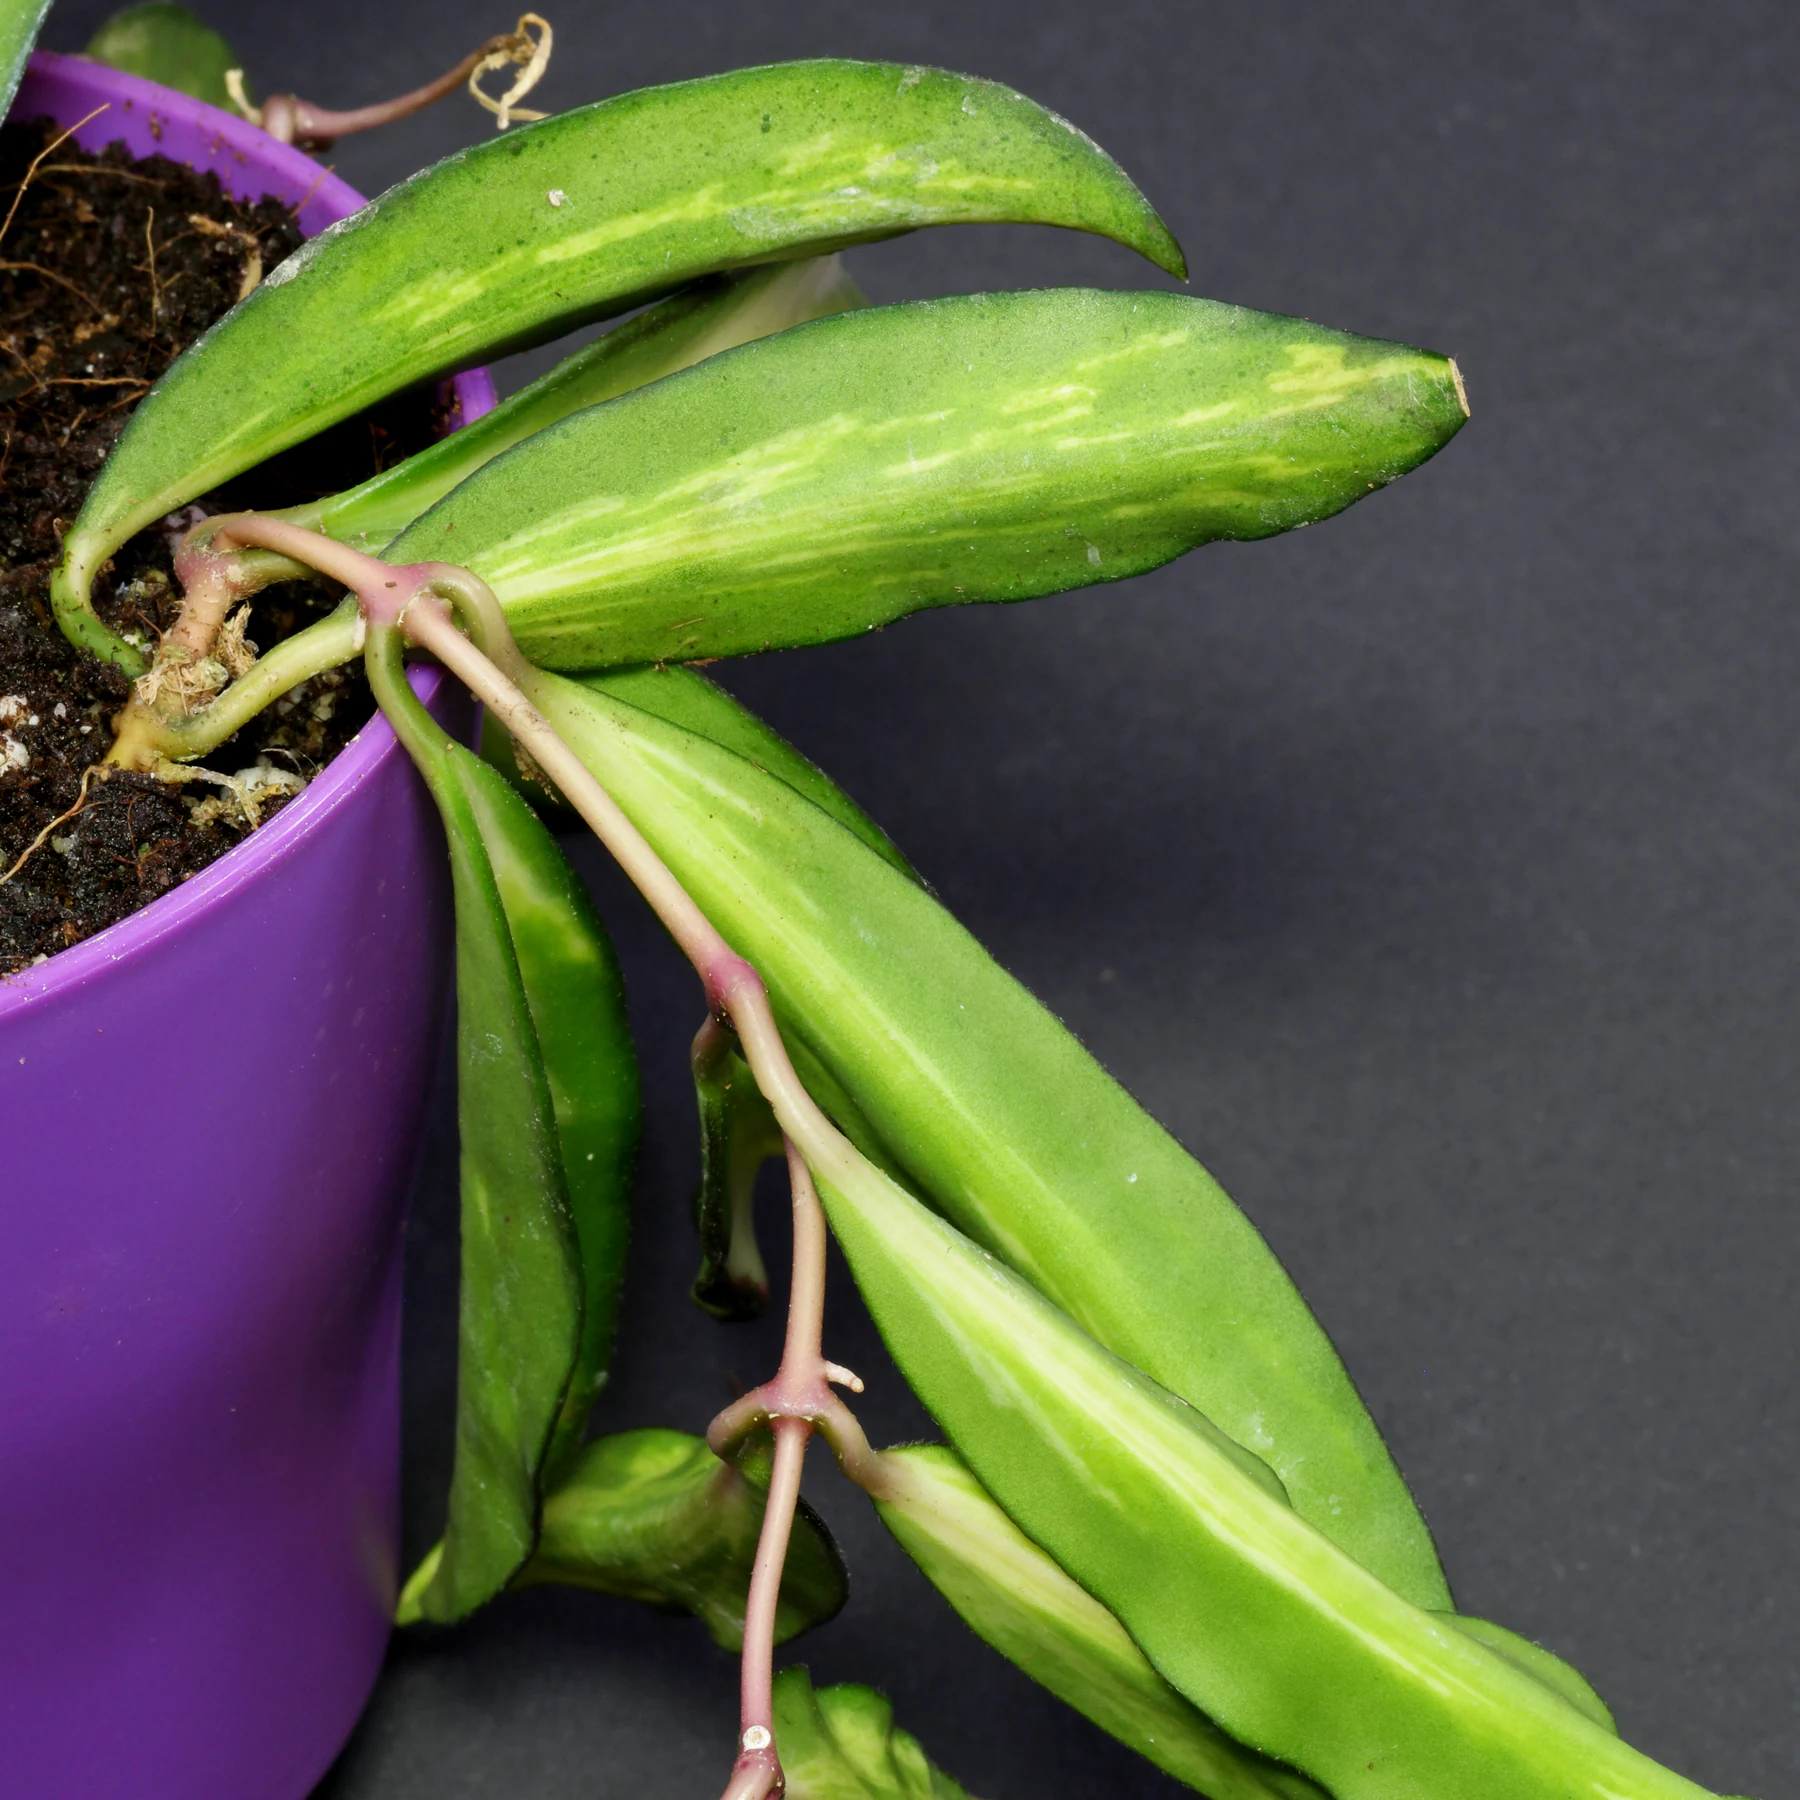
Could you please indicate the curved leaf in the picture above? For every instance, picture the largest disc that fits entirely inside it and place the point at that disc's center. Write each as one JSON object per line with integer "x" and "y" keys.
{"x": 519, "y": 1302}
{"x": 547, "y": 1107}
{"x": 583, "y": 216}
{"x": 654, "y": 1516}
{"x": 165, "y": 43}
{"x": 996, "y": 1113}
{"x": 583, "y": 1038}
{"x": 1014, "y": 1597}
{"x": 1260, "y": 1621}
{"x": 713, "y": 315}
{"x": 841, "y": 1743}
{"x": 838, "y": 476}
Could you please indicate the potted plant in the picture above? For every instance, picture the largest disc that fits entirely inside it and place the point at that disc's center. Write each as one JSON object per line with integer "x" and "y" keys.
{"x": 1163, "y": 1499}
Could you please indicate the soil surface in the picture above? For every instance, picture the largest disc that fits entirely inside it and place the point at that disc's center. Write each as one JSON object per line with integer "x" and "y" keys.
{"x": 109, "y": 268}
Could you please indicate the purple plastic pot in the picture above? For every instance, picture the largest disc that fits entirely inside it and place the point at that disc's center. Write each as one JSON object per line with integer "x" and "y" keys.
{"x": 210, "y": 1115}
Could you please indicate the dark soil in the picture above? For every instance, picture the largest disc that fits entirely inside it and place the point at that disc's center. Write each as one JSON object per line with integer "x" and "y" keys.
{"x": 108, "y": 270}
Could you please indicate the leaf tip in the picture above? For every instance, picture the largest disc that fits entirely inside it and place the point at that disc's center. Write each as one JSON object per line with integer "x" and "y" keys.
{"x": 1456, "y": 381}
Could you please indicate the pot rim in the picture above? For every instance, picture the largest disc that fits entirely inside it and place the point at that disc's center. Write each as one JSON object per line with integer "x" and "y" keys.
{"x": 326, "y": 199}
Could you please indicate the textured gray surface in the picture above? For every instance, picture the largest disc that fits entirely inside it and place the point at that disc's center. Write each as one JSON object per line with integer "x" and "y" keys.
{"x": 1431, "y": 874}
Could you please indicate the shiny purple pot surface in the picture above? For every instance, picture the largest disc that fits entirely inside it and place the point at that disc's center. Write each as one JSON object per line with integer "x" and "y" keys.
{"x": 208, "y": 1115}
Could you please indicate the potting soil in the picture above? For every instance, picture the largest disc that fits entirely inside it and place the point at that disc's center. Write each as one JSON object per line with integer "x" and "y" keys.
{"x": 109, "y": 268}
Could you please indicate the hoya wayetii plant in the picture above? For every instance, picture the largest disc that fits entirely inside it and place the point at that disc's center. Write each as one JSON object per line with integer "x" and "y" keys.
{"x": 1159, "y": 1493}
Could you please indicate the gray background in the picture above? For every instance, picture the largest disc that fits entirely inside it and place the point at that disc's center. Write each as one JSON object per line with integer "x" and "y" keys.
{"x": 1430, "y": 874}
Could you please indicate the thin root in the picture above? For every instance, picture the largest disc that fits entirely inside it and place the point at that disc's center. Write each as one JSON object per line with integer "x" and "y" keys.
{"x": 32, "y": 268}
{"x": 150, "y": 250}
{"x": 253, "y": 265}
{"x": 43, "y": 837}
{"x": 37, "y": 161}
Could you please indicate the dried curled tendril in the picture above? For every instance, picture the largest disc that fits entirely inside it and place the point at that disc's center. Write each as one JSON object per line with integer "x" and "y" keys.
{"x": 526, "y": 47}
{"x": 531, "y": 56}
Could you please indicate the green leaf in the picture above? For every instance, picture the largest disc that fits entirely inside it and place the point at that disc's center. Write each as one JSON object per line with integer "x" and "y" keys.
{"x": 713, "y": 315}
{"x": 1018, "y": 1600}
{"x": 827, "y": 480}
{"x": 686, "y": 698}
{"x": 841, "y": 1743}
{"x": 20, "y": 22}
{"x": 998, "y": 1115}
{"x": 654, "y": 1516}
{"x": 577, "y": 1002}
{"x": 1293, "y": 1648}
{"x": 165, "y": 43}
{"x": 545, "y": 1077}
{"x": 738, "y": 1134}
{"x": 584, "y": 216}
{"x": 519, "y": 1311}
{"x": 1543, "y": 1665}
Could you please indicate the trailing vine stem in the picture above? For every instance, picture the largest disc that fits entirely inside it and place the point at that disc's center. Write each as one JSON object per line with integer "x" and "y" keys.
{"x": 417, "y": 600}
{"x": 795, "y": 1402}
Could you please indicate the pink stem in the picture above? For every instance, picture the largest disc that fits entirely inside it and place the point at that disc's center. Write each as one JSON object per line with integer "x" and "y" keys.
{"x": 401, "y": 595}
{"x": 384, "y": 590}
{"x": 803, "y": 1350}
{"x": 757, "y": 1673}
{"x": 799, "y": 1396}
{"x": 790, "y": 1402}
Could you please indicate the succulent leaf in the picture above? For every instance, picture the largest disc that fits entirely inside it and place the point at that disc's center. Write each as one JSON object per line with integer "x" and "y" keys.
{"x": 1016, "y": 1598}
{"x": 654, "y": 1516}
{"x": 997, "y": 1115}
{"x": 20, "y": 22}
{"x": 167, "y": 44}
{"x": 576, "y": 998}
{"x": 841, "y": 1743}
{"x": 1239, "y": 1603}
{"x": 578, "y": 217}
{"x": 547, "y": 1114}
{"x": 835, "y": 477}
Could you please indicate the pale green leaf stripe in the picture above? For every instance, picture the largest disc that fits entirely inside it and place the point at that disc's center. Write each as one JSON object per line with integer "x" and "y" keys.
{"x": 583, "y": 216}
{"x": 703, "y": 320}
{"x": 1004, "y": 1120}
{"x": 1543, "y": 1665}
{"x": 992, "y": 447}
{"x": 688, "y": 700}
{"x": 1017, "y": 1599}
{"x": 1293, "y": 1648}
